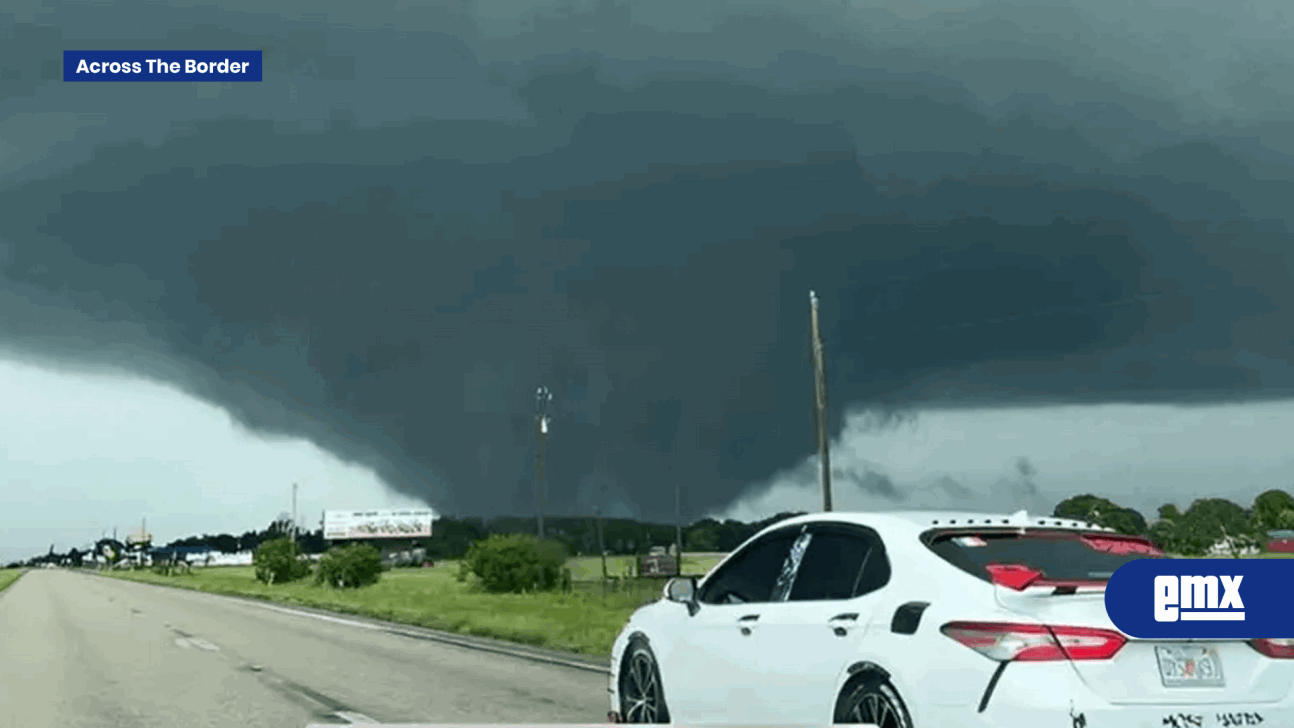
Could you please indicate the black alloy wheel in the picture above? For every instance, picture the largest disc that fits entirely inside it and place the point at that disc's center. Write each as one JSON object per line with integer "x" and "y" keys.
{"x": 873, "y": 700}
{"x": 642, "y": 699}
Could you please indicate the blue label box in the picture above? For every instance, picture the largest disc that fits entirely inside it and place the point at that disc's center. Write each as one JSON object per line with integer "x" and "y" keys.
{"x": 154, "y": 66}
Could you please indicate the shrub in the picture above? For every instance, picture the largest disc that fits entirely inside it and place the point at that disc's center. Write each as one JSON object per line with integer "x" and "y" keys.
{"x": 279, "y": 561}
{"x": 517, "y": 563}
{"x": 350, "y": 567}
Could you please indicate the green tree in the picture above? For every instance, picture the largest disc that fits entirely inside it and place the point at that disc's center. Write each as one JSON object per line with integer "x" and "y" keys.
{"x": 350, "y": 567}
{"x": 702, "y": 536}
{"x": 279, "y": 561}
{"x": 1177, "y": 537}
{"x": 518, "y": 562}
{"x": 1272, "y": 511}
{"x": 1207, "y": 523}
{"x": 1102, "y": 512}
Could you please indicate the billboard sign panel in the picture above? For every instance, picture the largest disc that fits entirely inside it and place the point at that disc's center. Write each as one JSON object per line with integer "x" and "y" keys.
{"x": 392, "y": 523}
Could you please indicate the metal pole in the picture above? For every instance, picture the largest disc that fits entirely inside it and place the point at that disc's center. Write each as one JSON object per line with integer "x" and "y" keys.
{"x": 539, "y": 477}
{"x": 542, "y": 399}
{"x": 820, "y": 402}
{"x": 294, "y": 513}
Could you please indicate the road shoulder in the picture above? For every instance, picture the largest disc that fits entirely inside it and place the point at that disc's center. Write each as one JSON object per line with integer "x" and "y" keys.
{"x": 487, "y": 644}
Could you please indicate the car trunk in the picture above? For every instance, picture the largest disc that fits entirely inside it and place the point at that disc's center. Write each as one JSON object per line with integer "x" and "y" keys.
{"x": 1057, "y": 578}
{"x": 1133, "y": 675}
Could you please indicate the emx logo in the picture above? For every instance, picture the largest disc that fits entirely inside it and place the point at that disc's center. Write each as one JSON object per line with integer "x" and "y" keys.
{"x": 1195, "y": 598}
{"x": 1202, "y": 598}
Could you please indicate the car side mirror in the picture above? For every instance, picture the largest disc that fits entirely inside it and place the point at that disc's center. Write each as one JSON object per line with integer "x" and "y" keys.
{"x": 683, "y": 590}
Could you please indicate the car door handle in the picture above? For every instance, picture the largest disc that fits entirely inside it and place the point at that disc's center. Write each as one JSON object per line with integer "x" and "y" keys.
{"x": 837, "y": 628}
{"x": 747, "y": 620}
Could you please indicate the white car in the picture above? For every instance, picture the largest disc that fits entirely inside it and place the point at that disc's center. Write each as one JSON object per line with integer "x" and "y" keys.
{"x": 932, "y": 620}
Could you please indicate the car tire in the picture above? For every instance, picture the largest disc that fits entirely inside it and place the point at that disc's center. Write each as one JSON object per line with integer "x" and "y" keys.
{"x": 872, "y": 700}
{"x": 642, "y": 697}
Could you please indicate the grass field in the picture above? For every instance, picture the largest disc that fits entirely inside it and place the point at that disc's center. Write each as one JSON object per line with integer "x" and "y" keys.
{"x": 585, "y": 621}
{"x": 589, "y": 568}
{"x": 9, "y": 576}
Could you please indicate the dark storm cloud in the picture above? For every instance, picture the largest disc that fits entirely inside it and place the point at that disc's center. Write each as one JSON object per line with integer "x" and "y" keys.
{"x": 1020, "y": 487}
{"x": 419, "y": 217}
{"x": 1026, "y": 472}
{"x": 869, "y": 482}
{"x": 952, "y": 488}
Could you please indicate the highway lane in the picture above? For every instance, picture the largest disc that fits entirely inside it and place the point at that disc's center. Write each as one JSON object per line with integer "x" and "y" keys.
{"x": 81, "y": 650}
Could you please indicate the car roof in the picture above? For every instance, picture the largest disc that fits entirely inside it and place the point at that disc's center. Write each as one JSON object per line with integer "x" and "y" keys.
{"x": 917, "y": 521}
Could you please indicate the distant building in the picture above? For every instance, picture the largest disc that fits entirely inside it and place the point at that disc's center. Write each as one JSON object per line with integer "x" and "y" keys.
{"x": 660, "y": 564}
{"x": 1280, "y": 542}
{"x": 1227, "y": 546}
{"x": 242, "y": 558}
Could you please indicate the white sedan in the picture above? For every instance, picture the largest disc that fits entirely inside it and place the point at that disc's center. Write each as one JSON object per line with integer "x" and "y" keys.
{"x": 930, "y": 619}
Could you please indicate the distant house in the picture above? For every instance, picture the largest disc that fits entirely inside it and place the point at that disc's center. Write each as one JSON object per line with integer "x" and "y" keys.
{"x": 1280, "y": 542}
{"x": 1227, "y": 546}
{"x": 242, "y": 558}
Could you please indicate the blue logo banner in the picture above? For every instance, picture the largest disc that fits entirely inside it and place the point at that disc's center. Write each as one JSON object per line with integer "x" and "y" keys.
{"x": 1203, "y": 598}
{"x": 110, "y": 66}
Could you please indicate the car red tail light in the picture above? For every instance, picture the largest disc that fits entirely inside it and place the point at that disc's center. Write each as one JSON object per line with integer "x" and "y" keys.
{"x": 1280, "y": 649}
{"x": 1007, "y": 642}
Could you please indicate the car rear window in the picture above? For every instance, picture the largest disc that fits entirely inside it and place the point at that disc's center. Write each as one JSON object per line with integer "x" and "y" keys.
{"x": 1059, "y": 555}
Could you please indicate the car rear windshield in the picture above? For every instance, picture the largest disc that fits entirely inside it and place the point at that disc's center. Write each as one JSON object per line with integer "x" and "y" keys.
{"x": 1059, "y": 555}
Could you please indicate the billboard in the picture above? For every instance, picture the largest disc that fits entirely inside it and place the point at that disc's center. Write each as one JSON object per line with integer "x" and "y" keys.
{"x": 396, "y": 523}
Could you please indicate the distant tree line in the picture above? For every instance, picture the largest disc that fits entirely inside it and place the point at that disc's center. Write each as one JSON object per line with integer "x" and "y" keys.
{"x": 1206, "y": 523}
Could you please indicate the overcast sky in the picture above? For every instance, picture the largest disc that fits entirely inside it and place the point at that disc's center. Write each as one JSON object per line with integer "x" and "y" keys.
{"x": 1051, "y": 241}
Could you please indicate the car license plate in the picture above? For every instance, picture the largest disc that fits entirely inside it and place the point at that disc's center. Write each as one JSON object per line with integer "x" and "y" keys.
{"x": 1189, "y": 666}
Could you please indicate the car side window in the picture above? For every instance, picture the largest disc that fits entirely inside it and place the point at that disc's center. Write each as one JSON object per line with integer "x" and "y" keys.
{"x": 751, "y": 575}
{"x": 841, "y": 563}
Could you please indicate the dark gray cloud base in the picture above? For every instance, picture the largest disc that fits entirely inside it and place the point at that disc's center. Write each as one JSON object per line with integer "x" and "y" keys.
{"x": 398, "y": 262}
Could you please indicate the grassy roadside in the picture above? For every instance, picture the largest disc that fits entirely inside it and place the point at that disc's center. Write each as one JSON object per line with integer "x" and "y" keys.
{"x": 584, "y": 621}
{"x": 9, "y": 576}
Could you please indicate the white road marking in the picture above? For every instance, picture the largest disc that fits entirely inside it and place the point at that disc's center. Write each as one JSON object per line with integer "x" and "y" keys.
{"x": 355, "y": 718}
{"x": 198, "y": 642}
{"x": 325, "y": 618}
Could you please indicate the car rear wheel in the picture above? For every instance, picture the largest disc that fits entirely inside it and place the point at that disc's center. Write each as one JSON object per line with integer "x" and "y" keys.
{"x": 872, "y": 700}
{"x": 642, "y": 699}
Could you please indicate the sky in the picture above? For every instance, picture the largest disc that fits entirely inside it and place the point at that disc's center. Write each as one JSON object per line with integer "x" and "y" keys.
{"x": 100, "y": 452}
{"x": 1144, "y": 456}
{"x": 1018, "y": 216}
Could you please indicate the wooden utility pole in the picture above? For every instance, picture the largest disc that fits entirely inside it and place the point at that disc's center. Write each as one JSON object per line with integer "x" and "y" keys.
{"x": 602, "y": 549}
{"x": 678, "y": 528}
{"x": 820, "y": 402}
{"x": 294, "y": 513}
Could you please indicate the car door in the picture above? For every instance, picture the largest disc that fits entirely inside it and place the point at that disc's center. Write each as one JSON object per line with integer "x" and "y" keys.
{"x": 806, "y": 641}
{"x": 710, "y": 657}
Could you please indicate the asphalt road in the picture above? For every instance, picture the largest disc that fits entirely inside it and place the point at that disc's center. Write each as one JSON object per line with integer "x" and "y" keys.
{"x": 81, "y": 650}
